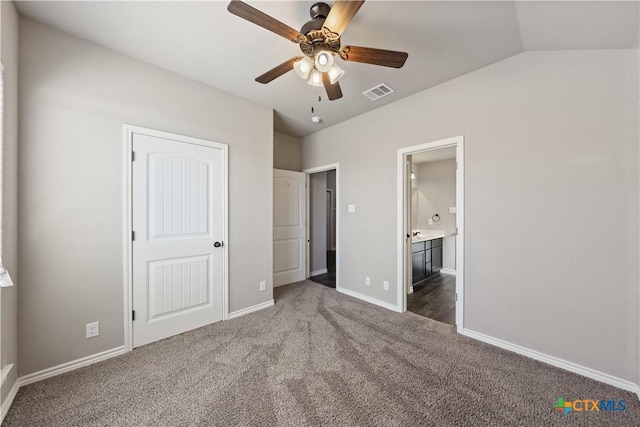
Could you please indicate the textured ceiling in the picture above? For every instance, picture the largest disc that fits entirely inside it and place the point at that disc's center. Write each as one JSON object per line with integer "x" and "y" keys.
{"x": 202, "y": 41}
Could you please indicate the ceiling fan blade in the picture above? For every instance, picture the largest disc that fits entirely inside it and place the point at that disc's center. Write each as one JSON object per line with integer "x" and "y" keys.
{"x": 342, "y": 12}
{"x": 333, "y": 90}
{"x": 276, "y": 72}
{"x": 251, "y": 14}
{"x": 386, "y": 58}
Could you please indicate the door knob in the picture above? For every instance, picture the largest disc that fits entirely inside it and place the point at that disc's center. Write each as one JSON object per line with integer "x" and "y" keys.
{"x": 217, "y": 244}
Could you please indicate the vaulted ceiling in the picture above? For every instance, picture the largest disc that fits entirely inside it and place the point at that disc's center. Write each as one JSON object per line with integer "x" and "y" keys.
{"x": 203, "y": 41}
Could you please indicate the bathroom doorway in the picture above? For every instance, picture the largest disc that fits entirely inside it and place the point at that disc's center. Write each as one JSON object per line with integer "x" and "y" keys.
{"x": 431, "y": 186}
{"x": 322, "y": 225}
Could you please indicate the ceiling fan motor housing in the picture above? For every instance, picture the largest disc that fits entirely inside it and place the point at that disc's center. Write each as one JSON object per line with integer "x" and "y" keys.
{"x": 317, "y": 38}
{"x": 319, "y": 10}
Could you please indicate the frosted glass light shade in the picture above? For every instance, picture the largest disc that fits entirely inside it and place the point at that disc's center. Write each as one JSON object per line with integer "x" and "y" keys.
{"x": 324, "y": 61}
{"x": 335, "y": 73}
{"x": 303, "y": 67}
{"x": 315, "y": 79}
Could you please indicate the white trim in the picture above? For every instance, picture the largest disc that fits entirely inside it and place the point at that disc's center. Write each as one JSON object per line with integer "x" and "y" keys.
{"x": 71, "y": 366}
{"x": 448, "y": 271}
{"x": 554, "y": 361}
{"x": 410, "y": 290}
{"x": 5, "y": 278}
{"x": 318, "y": 272}
{"x": 4, "y": 373}
{"x": 251, "y": 309}
{"x": 307, "y": 226}
{"x": 127, "y": 205}
{"x": 325, "y": 168}
{"x": 369, "y": 299}
{"x": 6, "y": 404}
{"x": 402, "y": 255}
{"x": 638, "y": 94}
{"x": 129, "y": 131}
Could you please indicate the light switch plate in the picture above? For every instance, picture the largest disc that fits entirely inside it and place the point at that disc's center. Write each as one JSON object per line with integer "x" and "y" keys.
{"x": 351, "y": 208}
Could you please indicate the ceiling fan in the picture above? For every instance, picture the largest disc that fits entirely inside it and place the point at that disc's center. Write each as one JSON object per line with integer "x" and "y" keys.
{"x": 319, "y": 41}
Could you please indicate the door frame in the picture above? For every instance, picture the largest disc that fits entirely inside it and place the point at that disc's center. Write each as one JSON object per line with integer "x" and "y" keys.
{"x": 403, "y": 203}
{"x": 309, "y": 171}
{"x": 128, "y": 132}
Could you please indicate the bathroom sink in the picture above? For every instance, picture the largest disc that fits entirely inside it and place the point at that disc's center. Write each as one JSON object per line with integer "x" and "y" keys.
{"x": 428, "y": 235}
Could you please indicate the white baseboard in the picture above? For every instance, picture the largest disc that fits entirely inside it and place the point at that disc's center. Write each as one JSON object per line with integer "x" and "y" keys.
{"x": 71, "y": 366}
{"x": 369, "y": 299}
{"x": 4, "y": 373}
{"x": 6, "y": 404}
{"x": 448, "y": 271}
{"x": 251, "y": 309}
{"x": 318, "y": 272}
{"x": 555, "y": 361}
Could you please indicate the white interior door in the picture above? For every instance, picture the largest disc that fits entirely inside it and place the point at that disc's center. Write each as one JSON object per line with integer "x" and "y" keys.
{"x": 289, "y": 243}
{"x": 178, "y": 221}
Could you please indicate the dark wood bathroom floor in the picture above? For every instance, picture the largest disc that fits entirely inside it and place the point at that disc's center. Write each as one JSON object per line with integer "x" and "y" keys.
{"x": 435, "y": 298}
{"x": 329, "y": 278}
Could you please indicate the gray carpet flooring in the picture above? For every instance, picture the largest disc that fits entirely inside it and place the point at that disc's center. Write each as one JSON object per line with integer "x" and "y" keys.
{"x": 317, "y": 358}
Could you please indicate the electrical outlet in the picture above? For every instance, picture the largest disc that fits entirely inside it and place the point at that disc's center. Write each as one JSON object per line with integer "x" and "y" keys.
{"x": 385, "y": 285}
{"x": 93, "y": 329}
{"x": 367, "y": 280}
{"x": 263, "y": 285}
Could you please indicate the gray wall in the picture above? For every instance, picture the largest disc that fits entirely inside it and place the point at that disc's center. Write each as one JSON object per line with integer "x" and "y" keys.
{"x": 436, "y": 192}
{"x": 9, "y": 299}
{"x": 551, "y": 170}
{"x": 318, "y": 217}
{"x": 286, "y": 152}
{"x": 74, "y": 99}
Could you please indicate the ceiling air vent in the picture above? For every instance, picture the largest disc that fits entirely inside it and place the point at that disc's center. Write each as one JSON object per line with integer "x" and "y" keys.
{"x": 378, "y": 92}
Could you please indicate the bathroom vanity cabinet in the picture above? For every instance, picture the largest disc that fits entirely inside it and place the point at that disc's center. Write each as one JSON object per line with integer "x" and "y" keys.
{"x": 426, "y": 259}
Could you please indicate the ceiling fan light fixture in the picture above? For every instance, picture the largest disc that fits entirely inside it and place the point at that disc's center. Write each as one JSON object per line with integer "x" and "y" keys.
{"x": 315, "y": 79}
{"x": 303, "y": 67}
{"x": 335, "y": 74}
{"x": 324, "y": 61}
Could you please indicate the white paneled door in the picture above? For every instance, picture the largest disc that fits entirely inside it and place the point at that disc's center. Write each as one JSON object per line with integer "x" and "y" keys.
{"x": 178, "y": 249}
{"x": 289, "y": 243}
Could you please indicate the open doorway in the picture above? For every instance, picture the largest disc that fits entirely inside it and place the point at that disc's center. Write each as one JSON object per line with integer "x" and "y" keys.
{"x": 432, "y": 290}
{"x": 431, "y": 216}
{"x": 322, "y": 225}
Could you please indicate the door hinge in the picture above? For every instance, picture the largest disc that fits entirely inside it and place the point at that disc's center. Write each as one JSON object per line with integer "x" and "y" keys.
{"x": 133, "y": 235}
{"x": 456, "y": 297}
{"x": 133, "y": 156}
{"x": 133, "y": 315}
